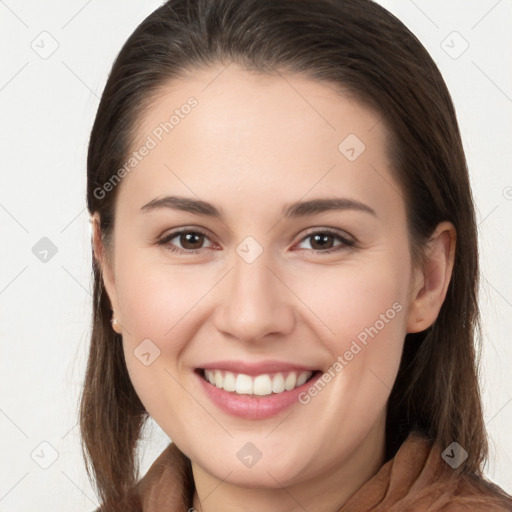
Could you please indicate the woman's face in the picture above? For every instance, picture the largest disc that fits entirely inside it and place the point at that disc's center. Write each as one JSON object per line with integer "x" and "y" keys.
{"x": 269, "y": 284}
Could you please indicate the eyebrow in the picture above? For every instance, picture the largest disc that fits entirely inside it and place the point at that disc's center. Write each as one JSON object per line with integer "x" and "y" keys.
{"x": 296, "y": 209}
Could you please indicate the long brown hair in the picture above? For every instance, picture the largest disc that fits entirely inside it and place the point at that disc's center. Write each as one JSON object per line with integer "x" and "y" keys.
{"x": 366, "y": 51}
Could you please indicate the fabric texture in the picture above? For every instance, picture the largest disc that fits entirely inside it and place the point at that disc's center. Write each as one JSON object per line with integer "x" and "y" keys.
{"x": 415, "y": 479}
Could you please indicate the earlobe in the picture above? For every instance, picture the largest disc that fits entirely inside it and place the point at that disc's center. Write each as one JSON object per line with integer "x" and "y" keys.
{"x": 431, "y": 283}
{"x": 115, "y": 324}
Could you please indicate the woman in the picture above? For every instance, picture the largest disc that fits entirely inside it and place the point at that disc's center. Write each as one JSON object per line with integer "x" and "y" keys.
{"x": 285, "y": 266}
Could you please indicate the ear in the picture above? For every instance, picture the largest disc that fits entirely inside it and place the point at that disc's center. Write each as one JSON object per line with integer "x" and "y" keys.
{"x": 431, "y": 283}
{"x": 105, "y": 263}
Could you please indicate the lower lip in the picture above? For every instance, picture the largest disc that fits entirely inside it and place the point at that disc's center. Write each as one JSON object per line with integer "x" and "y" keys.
{"x": 252, "y": 407}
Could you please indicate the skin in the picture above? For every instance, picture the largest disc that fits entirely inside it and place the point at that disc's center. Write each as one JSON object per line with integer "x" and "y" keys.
{"x": 251, "y": 146}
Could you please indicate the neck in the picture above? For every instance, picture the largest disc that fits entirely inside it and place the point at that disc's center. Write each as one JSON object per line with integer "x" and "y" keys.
{"x": 323, "y": 492}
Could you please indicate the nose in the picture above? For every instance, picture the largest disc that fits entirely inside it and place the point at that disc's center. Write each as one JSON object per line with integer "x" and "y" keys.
{"x": 255, "y": 303}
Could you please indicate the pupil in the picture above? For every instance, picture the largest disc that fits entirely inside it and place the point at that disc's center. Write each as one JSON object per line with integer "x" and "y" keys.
{"x": 189, "y": 239}
{"x": 323, "y": 240}
{"x": 192, "y": 239}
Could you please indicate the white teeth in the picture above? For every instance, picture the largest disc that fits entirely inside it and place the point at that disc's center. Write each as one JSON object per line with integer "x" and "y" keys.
{"x": 229, "y": 383}
{"x": 243, "y": 384}
{"x": 218, "y": 378}
{"x": 278, "y": 383}
{"x": 260, "y": 385}
{"x": 301, "y": 379}
{"x": 290, "y": 381}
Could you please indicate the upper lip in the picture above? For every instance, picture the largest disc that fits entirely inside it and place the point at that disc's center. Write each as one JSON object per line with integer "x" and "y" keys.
{"x": 253, "y": 368}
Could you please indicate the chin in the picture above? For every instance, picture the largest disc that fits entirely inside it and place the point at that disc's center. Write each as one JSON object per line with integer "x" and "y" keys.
{"x": 242, "y": 464}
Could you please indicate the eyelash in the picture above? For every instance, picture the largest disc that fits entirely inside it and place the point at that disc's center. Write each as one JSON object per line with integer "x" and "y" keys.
{"x": 345, "y": 242}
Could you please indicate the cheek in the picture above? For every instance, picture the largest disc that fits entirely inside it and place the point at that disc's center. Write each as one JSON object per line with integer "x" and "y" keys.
{"x": 157, "y": 309}
{"x": 158, "y": 306}
{"x": 155, "y": 299}
{"x": 343, "y": 303}
{"x": 355, "y": 310}
{"x": 364, "y": 309}
{"x": 355, "y": 302}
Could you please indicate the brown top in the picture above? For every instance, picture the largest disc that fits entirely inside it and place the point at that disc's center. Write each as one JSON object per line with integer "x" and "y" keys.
{"x": 416, "y": 479}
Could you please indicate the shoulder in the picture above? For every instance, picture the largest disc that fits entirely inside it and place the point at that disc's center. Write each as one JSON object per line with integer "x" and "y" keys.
{"x": 472, "y": 492}
{"x": 448, "y": 490}
{"x": 417, "y": 478}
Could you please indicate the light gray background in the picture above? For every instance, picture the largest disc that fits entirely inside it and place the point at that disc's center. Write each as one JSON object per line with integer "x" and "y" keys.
{"x": 48, "y": 106}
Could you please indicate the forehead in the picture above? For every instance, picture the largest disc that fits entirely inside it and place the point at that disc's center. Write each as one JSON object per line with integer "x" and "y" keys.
{"x": 280, "y": 135}
{"x": 256, "y": 107}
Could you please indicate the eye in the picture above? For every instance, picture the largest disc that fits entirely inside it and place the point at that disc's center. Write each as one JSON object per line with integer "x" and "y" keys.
{"x": 191, "y": 241}
{"x": 324, "y": 241}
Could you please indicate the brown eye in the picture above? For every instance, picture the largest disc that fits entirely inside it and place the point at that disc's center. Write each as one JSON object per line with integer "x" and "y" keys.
{"x": 322, "y": 241}
{"x": 185, "y": 241}
{"x": 326, "y": 241}
{"x": 191, "y": 240}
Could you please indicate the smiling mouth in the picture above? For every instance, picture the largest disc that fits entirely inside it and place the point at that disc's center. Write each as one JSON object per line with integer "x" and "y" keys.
{"x": 256, "y": 385}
